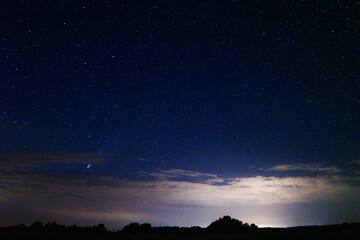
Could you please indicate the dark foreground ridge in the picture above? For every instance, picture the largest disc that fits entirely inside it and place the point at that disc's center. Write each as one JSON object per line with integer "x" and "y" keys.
{"x": 223, "y": 228}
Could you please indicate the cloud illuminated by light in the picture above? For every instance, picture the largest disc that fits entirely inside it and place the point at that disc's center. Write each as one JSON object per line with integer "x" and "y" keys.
{"x": 312, "y": 167}
{"x": 167, "y": 193}
{"x": 357, "y": 162}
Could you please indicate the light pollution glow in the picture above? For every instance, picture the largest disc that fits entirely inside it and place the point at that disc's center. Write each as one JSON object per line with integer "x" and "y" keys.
{"x": 165, "y": 198}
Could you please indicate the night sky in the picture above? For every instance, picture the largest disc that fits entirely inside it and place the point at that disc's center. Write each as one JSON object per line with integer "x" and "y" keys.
{"x": 179, "y": 112}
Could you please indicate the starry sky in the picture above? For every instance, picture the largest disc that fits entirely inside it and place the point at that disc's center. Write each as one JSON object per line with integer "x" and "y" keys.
{"x": 179, "y": 112}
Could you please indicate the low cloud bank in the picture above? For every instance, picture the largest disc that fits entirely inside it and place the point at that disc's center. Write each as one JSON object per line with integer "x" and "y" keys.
{"x": 93, "y": 198}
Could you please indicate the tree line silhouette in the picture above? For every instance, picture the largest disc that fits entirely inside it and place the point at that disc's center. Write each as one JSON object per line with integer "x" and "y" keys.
{"x": 54, "y": 227}
{"x": 224, "y": 224}
{"x": 226, "y": 227}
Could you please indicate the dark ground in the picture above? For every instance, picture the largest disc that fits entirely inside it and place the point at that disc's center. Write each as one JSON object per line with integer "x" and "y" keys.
{"x": 315, "y": 232}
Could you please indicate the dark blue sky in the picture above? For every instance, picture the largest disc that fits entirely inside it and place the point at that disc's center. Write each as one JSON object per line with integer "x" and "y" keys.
{"x": 228, "y": 88}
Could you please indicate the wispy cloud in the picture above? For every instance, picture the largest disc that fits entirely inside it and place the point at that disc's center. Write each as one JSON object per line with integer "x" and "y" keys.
{"x": 179, "y": 173}
{"x": 357, "y": 162}
{"x": 312, "y": 167}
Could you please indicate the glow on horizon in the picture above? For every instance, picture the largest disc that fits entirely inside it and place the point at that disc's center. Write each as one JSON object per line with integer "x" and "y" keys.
{"x": 165, "y": 198}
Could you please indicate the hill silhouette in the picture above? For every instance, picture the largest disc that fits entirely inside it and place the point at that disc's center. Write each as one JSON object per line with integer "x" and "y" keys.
{"x": 222, "y": 228}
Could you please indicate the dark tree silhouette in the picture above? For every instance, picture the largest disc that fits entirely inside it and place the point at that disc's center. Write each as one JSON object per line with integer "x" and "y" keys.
{"x": 17, "y": 228}
{"x": 53, "y": 227}
{"x": 253, "y": 226}
{"x": 36, "y": 226}
{"x": 145, "y": 227}
{"x": 228, "y": 224}
{"x": 133, "y": 227}
{"x": 100, "y": 228}
{"x": 225, "y": 224}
